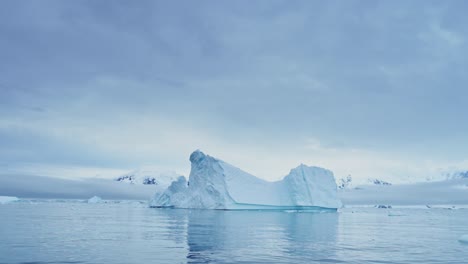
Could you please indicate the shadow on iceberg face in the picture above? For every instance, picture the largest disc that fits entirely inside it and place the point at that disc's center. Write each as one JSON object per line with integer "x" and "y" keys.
{"x": 227, "y": 236}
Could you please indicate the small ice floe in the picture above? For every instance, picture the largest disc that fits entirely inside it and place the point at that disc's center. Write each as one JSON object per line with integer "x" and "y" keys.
{"x": 95, "y": 200}
{"x": 8, "y": 199}
{"x": 463, "y": 239}
{"x": 395, "y": 213}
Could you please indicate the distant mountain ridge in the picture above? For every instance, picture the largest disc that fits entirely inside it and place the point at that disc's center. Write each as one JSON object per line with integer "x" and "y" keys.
{"x": 348, "y": 183}
{"x": 149, "y": 177}
{"x": 379, "y": 182}
{"x": 457, "y": 175}
{"x": 345, "y": 183}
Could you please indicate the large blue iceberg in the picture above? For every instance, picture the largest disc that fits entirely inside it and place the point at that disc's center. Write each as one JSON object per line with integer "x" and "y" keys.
{"x": 215, "y": 184}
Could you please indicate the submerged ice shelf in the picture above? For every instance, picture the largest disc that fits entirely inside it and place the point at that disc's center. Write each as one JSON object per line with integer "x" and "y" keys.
{"x": 214, "y": 184}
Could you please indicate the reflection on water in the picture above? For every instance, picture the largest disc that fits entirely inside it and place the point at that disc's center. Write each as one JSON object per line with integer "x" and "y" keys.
{"x": 226, "y": 236}
{"x": 132, "y": 233}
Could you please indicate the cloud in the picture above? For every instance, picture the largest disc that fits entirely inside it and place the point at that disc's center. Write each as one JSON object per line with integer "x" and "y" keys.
{"x": 451, "y": 37}
{"x": 127, "y": 84}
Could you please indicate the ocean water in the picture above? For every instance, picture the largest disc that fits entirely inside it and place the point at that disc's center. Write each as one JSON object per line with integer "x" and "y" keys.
{"x": 72, "y": 232}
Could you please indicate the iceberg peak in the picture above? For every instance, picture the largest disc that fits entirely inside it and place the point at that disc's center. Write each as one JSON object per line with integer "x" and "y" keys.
{"x": 197, "y": 156}
{"x": 303, "y": 167}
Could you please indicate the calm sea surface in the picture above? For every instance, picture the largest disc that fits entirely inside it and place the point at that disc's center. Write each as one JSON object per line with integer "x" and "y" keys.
{"x": 65, "y": 232}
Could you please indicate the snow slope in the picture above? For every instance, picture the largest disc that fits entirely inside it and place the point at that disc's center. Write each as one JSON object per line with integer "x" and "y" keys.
{"x": 214, "y": 184}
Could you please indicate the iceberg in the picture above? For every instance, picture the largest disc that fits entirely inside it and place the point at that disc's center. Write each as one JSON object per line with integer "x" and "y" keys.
{"x": 8, "y": 199}
{"x": 94, "y": 200}
{"x": 215, "y": 184}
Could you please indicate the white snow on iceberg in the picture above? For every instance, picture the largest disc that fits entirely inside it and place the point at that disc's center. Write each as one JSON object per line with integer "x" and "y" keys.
{"x": 214, "y": 184}
{"x": 8, "y": 199}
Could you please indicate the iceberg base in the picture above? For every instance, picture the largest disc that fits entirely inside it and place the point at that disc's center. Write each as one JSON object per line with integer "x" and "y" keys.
{"x": 261, "y": 207}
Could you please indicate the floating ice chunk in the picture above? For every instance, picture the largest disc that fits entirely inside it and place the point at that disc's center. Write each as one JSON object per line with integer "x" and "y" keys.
{"x": 94, "y": 200}
{"x": 214, "y": 184}
{"x": 8, "y": 199}
{"x": 463, "y": 239}
{"x": 395, "y": 213}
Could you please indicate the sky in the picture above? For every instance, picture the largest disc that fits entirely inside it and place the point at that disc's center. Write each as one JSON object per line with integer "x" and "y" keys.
{"x": 375, "y": 89}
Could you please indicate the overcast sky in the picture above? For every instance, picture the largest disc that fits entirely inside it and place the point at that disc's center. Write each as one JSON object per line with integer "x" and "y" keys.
{"x": 367, "y": 88}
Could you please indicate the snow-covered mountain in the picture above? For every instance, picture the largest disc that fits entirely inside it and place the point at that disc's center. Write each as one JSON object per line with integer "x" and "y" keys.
{"x": 348, "y": 183}
{"x": 148, "y": 176}
{"x": 345, "y": 183}
{"x": 456, "y": 175}
{"x": 447, "y": 174}
{"x": 215, "y": 184}
{"x": 378, "y": 182}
